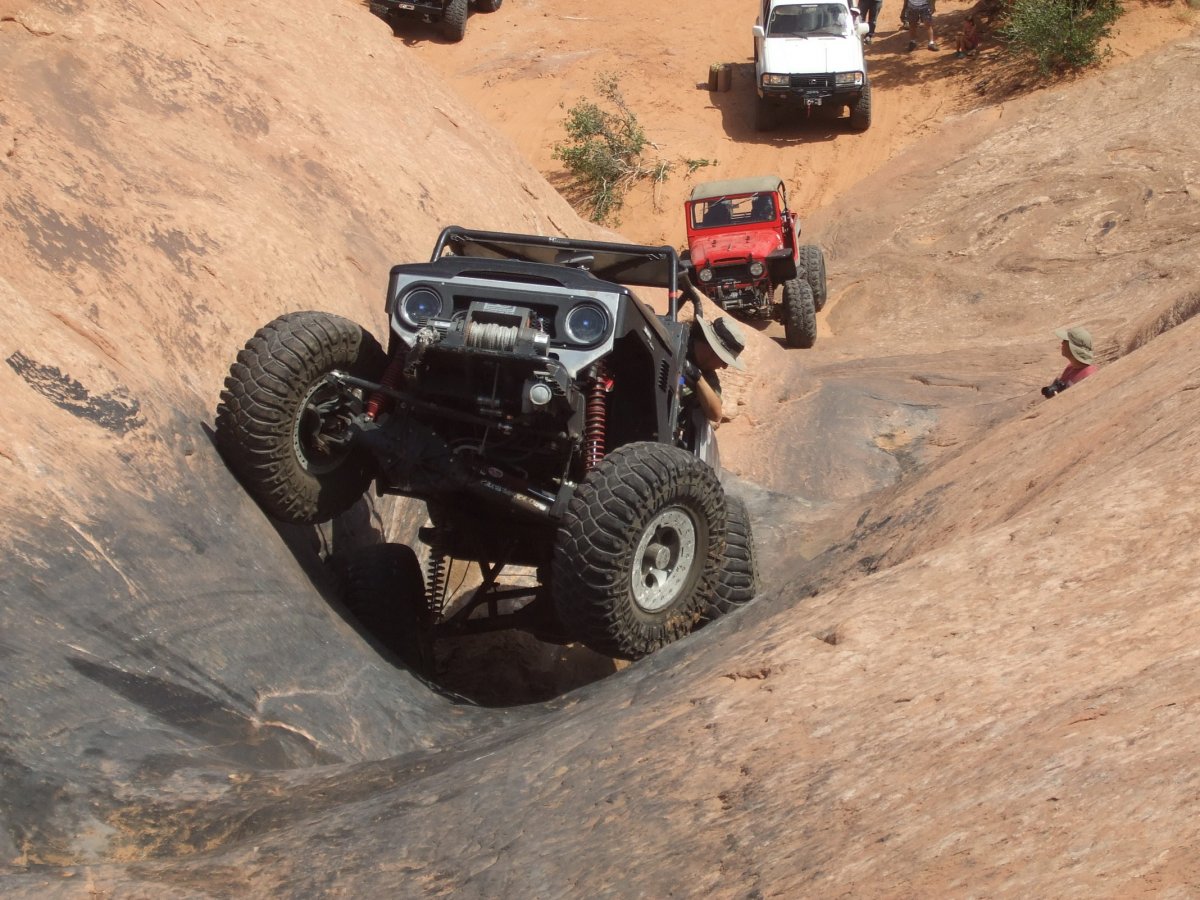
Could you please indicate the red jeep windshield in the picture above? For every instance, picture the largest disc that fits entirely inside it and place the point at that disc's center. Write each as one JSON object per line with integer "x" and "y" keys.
{"x": 724, "y": 212}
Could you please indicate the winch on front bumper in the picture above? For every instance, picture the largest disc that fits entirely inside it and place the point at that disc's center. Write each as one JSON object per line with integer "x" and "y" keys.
{"x": 813, "y": 89}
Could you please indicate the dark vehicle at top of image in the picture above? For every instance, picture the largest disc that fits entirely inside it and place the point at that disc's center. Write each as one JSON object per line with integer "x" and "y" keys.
{"x": 533, "y": 401}
{"x": 450, "y": 15}
{"x": 744, "y": 245}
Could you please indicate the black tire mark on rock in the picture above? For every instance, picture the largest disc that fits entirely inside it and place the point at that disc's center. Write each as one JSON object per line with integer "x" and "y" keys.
{"x": 115, "y": 411}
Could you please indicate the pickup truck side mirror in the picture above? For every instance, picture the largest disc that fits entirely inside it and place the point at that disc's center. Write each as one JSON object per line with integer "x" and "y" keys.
{"x": 758, "y": 31}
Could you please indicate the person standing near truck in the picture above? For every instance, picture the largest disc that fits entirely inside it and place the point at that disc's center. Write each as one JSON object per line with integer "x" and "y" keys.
{"x": 919, "y": 12}
{"x": 868, "y": 11}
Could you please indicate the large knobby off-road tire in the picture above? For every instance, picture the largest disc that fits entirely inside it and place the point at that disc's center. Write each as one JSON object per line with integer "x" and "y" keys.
{"x": 764, "y": 115}
{"x": 812, "y": 263}
{"x": 454, "y": 20}
{"x": 738, "y": 582}
{"x": 638, "y": 553}
{"x": 860, "y": 112}
{"x": 799, "y": 314}
{"x": 277, "y": 414}
{"x": 383, "y": 587}
{"x": 488, "y": 5}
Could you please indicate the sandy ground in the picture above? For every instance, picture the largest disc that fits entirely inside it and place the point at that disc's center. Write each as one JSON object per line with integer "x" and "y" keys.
{"x": 987, "y": 688}
{"x": 525, "y": 65}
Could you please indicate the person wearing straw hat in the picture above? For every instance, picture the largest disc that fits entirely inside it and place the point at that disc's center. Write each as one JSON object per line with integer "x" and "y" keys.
{"x": 713, "y": 346}
{"x": 1077, "y": 349}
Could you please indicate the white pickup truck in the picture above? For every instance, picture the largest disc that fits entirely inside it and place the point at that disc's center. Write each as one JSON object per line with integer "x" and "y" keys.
{"x": 808, "y": 57}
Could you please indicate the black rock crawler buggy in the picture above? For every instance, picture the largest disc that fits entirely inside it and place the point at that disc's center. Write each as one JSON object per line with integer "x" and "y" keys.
{"x": 449, "y": 15}
{"x": 533, "y": 402}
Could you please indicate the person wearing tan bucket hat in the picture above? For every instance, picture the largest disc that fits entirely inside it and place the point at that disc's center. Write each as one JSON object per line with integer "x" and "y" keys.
{"x": 713, "y": 346}
{"x": 1077, "y": 349}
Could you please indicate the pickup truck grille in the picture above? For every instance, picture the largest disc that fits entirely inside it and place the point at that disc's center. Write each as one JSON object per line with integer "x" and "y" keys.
{"x": 820, "y": 81}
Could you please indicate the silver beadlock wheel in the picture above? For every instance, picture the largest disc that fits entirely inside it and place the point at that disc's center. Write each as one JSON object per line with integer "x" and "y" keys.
{"x": 664, "y": 559}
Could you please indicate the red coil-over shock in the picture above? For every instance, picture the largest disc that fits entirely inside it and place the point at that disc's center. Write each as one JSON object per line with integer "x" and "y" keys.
{"x": 595, "y": 425}
{"x": 379, "y": 402}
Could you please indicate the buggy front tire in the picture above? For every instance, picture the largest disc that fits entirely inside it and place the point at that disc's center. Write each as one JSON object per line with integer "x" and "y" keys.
{"x": 638, "y": 552}
{"x": 281, "y": 427}
{"x": 488, "y": 5}
{"x": 738, "y": 582}
{"x": 799, "y": 314}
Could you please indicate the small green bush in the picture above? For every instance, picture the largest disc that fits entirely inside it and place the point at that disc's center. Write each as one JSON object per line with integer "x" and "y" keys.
{"x": 603, "y": 149}
{"x": 1060, "y": 34}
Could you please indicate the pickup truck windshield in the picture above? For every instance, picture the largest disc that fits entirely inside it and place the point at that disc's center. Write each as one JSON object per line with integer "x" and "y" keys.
{"x": 804, "y": 19}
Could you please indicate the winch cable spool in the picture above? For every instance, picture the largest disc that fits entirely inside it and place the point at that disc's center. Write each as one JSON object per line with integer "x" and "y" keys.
{"x": 491, "y": 336}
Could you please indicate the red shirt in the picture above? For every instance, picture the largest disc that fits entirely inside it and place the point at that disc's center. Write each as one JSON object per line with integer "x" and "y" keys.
{"x": 1075, "y": 372}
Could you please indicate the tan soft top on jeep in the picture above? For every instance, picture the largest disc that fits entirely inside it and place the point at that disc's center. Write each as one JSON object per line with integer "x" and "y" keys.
{"x": 737, "y": 186}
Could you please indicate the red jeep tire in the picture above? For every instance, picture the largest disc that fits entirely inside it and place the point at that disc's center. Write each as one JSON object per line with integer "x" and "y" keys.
{"x": 812, "y": 262}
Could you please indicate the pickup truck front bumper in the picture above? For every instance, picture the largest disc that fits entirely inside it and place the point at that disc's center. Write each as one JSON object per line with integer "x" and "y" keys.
{"x": 812, "y": 90}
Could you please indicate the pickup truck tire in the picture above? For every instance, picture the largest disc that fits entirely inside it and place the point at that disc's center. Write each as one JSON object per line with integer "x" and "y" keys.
{"x": 454, "y": 20}
{"x": 488, "y": 5}
{"x": 764, "y": 115}
{"x": 812, "y": 263}
{"x": 738, "y": 582}
{"x": 384, "y": 589}
{"x": 276, "y": 416}
{"x": 799, "y": 314}
{"x": 638, "y": 553}
{"x": 860, "y": 112}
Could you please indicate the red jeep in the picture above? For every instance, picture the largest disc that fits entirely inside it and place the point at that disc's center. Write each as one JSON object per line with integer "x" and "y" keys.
{"x": 743, "y": 243}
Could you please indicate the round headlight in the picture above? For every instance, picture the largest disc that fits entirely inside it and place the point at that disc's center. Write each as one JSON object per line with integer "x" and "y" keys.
{"x": 756, "y": 269}
{"x": 419, "y": 305}
{"x": 586, "y": 323}
{"x": 706, "y": 275}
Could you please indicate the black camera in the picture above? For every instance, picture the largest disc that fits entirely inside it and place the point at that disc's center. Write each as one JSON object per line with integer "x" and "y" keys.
{"x": 1057, "y": 386}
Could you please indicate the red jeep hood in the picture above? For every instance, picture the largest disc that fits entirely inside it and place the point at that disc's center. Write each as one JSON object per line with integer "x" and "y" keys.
{"x": 718, "y": 248}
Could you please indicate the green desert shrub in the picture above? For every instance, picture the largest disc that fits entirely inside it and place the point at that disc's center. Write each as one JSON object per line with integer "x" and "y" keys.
{"x": 1059, "y": 35}
{"x": 603, "y": 149}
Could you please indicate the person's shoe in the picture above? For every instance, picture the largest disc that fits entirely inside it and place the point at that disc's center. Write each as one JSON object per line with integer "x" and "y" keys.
{"x": 932, "y": 45}
{"x": 912, "y": 45}
{"x": 958, "y": 54}
{"x": 867, "y": 39}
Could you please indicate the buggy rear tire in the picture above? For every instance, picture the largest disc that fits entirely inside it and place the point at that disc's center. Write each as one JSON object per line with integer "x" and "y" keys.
{"x": 454, "y": 20}
{"x": 384, "y": 589}
{"x": 799, "y": 314}
{"x": 277, "y": 416}
{"x": 638, "y": 552}
{"x": 812, "y": 260}
{"x": 738, "y": 582}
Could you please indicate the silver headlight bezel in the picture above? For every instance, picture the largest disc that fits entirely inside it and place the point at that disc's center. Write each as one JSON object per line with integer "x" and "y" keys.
{"x": 402, "y": 305}
{"x": 569, "y": 332}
